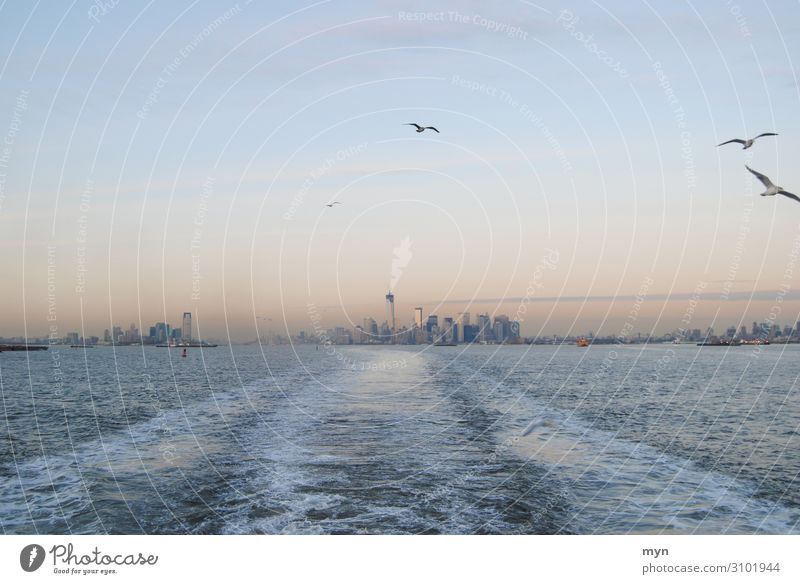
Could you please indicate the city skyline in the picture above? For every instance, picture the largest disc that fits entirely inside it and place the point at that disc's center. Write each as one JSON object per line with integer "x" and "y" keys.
{"x": 158, "y": 333}
{"x": 426, "y": 329}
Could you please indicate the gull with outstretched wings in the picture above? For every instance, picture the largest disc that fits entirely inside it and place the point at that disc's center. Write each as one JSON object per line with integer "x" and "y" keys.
{"x": 746, "y": 143}
{"x": 772, "y": 190}
{"x": 423, "y": 128}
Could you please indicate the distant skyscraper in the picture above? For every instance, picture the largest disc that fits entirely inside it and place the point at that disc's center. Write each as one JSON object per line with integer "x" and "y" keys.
{"x": 499, "y": 333}
{"x": 462, "y": 321}
{"x": 431, "y": 326}
{"x": 132, "y": 335}
{"x": 371, "y": 330}
{"x": 484, "y": 328}
{"x": 433, "y": 321}
{"x": 418, "y": 317}
{"x": 448, "y": 330}
{"x": 162, "y": 332}
{"x": 360, "y": 335}
{"x": 390, "y": 311}
{"x": 470, "y": 333}
{"x": 186, "y": 327}
{"x": 501, "y": 327}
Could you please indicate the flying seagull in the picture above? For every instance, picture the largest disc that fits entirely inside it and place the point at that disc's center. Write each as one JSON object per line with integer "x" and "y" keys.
{"x": 423, "y": 128}
{"x": 332, "y": 204}
{"x": 772, "y": 190}
{"x": 746, "y": 143}
{"x": 536, "y": 423}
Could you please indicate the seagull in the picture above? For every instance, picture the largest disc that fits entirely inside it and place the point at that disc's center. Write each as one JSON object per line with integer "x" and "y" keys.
{"x": 536, "y": 423}
{"x": 332, "y": 204}
{"x": 772, "y": 190}
{"x": 423, "y": 128}
{"x": 746, "y": 143}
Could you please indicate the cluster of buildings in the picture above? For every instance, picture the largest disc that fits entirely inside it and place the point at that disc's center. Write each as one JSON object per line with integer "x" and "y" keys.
{"x": 425, "y": 329}
{"x": 430, "y": 329}
{"x": 760, "y": 331}
{"x": 161, "y": 333}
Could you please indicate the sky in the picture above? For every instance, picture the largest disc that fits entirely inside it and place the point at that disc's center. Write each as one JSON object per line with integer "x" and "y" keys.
{"x": 157, "y": 158}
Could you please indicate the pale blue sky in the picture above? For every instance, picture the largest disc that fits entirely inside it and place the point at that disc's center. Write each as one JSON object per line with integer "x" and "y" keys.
{"x": 543, "y": 145}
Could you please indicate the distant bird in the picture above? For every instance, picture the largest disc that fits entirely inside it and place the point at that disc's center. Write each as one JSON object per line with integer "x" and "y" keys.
{"x": 746, "y": 143}
{"x": 332, "y": 204}
{"x": 772, "y": 190}
{"x": 536, "y": 423}
{"x": 423, "y": 128}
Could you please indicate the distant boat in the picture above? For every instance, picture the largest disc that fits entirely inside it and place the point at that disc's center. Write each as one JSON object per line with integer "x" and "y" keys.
{"x": 715, "y": 342}
{"x": 23, "y": 348}
{"x": 81, "y": 346}
{"x": 193, "y": 345}
{"x": 582, "y": 342}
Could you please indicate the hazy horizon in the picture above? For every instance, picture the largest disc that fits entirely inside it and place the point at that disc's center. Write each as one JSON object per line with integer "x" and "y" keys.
{"x": 540, "y": 317}
{"x": 156, "y": 160}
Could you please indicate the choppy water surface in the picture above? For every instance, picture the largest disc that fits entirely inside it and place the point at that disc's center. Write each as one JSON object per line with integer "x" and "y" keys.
{"x": 401, "y": 440}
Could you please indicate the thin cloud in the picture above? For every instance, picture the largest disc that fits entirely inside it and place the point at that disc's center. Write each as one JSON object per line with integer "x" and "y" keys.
{"x": 755, "y": 295}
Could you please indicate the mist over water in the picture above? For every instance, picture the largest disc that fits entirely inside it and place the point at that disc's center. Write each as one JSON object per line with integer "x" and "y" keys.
{"x": 634, "y": 439}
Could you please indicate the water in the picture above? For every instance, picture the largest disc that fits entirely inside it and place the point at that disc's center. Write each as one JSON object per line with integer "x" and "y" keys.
{"x": 401, "y": 440}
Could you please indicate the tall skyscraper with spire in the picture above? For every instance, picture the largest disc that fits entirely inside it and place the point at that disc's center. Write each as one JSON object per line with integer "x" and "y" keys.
{"x": 390, "y": 311}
